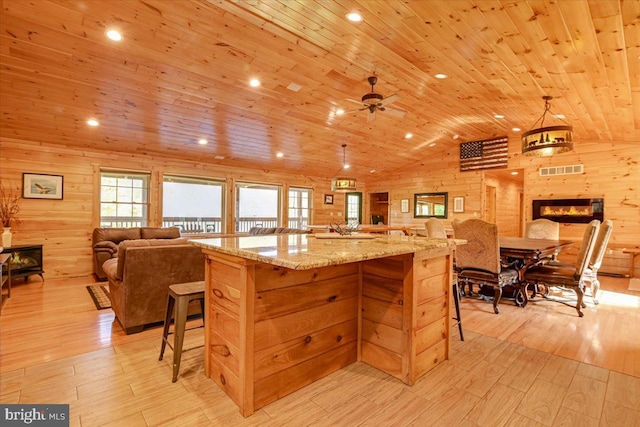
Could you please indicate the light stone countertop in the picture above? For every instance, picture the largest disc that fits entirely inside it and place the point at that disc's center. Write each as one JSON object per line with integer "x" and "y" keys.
{"x": 304, "y": 251}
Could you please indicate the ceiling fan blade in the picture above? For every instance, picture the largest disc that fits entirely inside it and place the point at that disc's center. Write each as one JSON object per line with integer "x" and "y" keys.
{"x": 353, "y": 111}
{"x": 389, "y": 99}
{"x": 371, "y": 116}
{"x": 395, "y": 112}
{"x": 353, "y": 100}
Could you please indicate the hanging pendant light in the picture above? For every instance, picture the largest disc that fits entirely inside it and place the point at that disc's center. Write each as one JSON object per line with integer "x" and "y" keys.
{"x": 343, "y": 184}
{"x": 547, "y": 141}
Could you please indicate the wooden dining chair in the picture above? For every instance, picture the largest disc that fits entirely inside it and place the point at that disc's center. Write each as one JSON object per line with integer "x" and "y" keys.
{"x": 435, "y": 228}
{"x": 478, "y": 261}
{"x": 600, "y": 247}
{"x": 542, "y": 228}
{"x": 566, "y": 276}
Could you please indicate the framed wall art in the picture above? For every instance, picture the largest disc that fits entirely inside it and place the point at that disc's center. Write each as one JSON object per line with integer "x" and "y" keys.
{"x": 458, "y": 204}
{"x": 328, "y": 199}
{"x": 404, "y": 205}
{"x": 41, "y": 186}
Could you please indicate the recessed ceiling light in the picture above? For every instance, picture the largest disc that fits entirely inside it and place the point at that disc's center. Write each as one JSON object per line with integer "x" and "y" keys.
{"x": 408, "y": 136}
{"x": 456, "y": 136}
{"x": 372, "y": 171}
{"x": 498, "y": 116}
{"x": 516, "y": 129}
{"x": 560, "y": 116}
{"x": 218, "y": 157}
{"x": 92, "y": 122}
{"x": 114, "y": 35}
{"x": 514, "y": 173}
{"x": 440, "y": 76}
{"x": 279, "y": 155}
{"x": 254, "y": 82}
{"x": 203, "y": 141}
{"x": 354, "y": 17}
{"x": 294, "y": 87}
{"x": 346, "y": 166}
{"x": 433, "y": 144}
{"x": 339, "y": 112}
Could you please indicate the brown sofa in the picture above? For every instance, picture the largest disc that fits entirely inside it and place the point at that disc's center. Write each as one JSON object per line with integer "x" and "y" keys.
{"x": 106, "y": 241}
{"x": 140, "y": 276}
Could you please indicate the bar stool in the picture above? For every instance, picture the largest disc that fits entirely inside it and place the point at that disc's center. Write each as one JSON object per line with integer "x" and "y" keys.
{"x": 183, "y": 294}
{"x": 456, "y": 302}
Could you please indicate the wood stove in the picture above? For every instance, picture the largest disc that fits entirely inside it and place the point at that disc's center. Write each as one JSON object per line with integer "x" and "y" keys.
{"x": 576, "y": 211}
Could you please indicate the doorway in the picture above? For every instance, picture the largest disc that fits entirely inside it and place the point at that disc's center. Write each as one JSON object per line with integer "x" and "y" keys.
{"x": 353, "y": 209}
{"x": 379, "y": 208}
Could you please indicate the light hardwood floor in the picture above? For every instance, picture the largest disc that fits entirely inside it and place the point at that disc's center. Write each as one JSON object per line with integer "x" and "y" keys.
{"x": 537, "y": 366}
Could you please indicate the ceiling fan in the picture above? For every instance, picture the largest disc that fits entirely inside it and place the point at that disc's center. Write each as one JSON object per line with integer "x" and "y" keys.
{"x": 373, "y": 102}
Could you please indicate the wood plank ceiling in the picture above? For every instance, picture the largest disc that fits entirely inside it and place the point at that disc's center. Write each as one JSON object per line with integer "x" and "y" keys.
{"x": 181, "y": 73}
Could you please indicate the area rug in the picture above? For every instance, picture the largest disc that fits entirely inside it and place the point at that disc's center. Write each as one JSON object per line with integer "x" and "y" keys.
{"x": 100, "y": 296}
{"x": 634, "y": 284}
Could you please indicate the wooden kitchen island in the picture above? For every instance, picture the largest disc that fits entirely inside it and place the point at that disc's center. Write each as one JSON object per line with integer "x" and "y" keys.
{"x": 286, "y": 310}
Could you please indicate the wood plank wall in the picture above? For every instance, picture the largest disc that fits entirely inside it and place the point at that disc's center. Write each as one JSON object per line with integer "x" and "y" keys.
{"x": 65, "y": 227}
{"x": 611, "y": 171}
{"x": 507, "y": 204}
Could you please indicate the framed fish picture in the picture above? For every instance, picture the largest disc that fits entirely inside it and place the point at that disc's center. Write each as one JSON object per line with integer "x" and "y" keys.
{"x": 40, "y": 186}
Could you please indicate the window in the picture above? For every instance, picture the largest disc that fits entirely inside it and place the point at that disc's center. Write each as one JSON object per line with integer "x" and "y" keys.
{"x": 257, "y": 205}
{"x": 299, "y": 207}
{"x": 193, "y": 204}
{"x": 353, "y": 208}
{"x": 124, "y": 199}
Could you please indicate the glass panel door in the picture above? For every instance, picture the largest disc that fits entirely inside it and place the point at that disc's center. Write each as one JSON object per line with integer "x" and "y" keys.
{"x": 353, "y": 209}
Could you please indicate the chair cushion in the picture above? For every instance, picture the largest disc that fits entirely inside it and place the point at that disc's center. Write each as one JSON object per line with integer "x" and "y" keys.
{"x": 116, "y": 235}
{"x": 110, "y": 267}
{"x": 159, "y": 232}
{"x": 122, "y": 249}
{"x": 106, "y": 246}
{"x": 561, "y": 275}
{"x": 506, "y": 276}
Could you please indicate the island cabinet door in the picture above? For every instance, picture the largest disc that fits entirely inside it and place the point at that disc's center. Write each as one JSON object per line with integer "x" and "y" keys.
{"x": 306, "y": 324}
{"x": 382, "y": 338}
{"x": 430, "y": 315}
{"x": 404, "y": 313}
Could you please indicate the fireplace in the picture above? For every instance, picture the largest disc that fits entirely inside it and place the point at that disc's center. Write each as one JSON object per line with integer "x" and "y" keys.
{"x": 578, "y": 211}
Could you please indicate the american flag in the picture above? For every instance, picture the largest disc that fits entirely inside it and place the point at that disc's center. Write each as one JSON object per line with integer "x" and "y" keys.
{"x": 487, "y": 154}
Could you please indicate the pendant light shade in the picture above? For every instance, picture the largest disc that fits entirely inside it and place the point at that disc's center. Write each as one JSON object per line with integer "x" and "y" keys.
{"x": 547, "y": 141}
{"x": 343, "y": 184}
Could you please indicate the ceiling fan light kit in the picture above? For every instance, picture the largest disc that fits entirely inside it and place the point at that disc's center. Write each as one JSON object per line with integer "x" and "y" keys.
{"x": 372, "y": 102}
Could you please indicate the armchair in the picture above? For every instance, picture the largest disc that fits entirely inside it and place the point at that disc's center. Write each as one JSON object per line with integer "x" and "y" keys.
{"x": 479, "y": 260}
{"x": 600, "y": 247}
{"x": 542, "y": 228}
{"x": 566, "y": 276}
{"x": 591, "y": 273}
{"x": 435, "y": 228}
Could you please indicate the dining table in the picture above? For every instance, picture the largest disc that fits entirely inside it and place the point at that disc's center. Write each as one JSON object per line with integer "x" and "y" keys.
{"x": 522, "y": 252}
{"x": 527, "y": 252}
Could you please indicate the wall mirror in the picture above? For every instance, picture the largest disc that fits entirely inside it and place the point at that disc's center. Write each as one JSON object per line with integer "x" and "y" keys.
{"x": 428, "y": 205}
